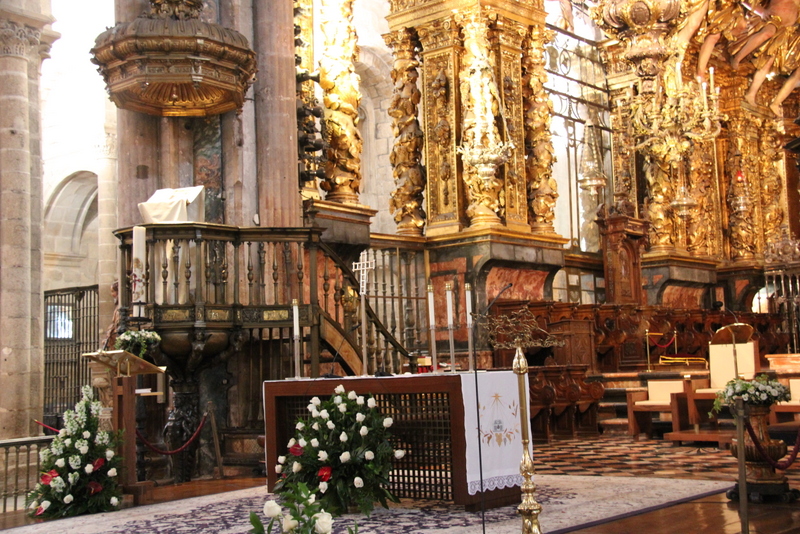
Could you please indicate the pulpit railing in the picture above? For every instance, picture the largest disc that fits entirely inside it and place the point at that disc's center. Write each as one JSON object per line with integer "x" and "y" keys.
{"x": 210, "y": 276}
{"x": 19, "y": 469}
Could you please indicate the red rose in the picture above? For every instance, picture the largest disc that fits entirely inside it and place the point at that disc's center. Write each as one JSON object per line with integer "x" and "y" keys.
{"x": 48, "y": 477}
{"x": 97, "y": 464}
{"x": 296, "y": 450}
{"x": 94, "y": 487}
{"x": 324, "y": 473}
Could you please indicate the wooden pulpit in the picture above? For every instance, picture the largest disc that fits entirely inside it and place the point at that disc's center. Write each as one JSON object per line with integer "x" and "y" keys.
{"x": 125, "y": 366}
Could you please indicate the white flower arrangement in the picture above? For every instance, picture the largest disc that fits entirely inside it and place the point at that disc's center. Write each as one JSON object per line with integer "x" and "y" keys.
{"x": 761, "y": 391}
{"x": 78, "y": 470}
{"x": 347, "y": 459}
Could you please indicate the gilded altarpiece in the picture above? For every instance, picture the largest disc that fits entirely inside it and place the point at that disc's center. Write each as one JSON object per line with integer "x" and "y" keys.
{"x": 441, "y": 60}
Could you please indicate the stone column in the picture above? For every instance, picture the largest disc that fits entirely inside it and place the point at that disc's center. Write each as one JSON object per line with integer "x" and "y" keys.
{"x": 138, "y": 137}
{"x": 107, "y": 246}
{"x": 276, "y": 122}
{"x": 20, "y": 353}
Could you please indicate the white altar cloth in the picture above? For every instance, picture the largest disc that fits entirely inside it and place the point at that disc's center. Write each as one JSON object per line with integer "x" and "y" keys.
{"x": 498, "y": 453}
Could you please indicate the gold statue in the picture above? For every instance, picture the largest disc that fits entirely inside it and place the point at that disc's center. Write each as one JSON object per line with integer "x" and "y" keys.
{"x": 340, "y": 83}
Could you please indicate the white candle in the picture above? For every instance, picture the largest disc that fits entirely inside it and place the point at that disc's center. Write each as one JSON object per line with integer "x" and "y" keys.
{"x": 468, "y": 289}
{"x": 296, "y": 317}
{"x": 705, "y": 97}
{"x": 431, "y": 310}
{"x": 711, "y": 78}
{"x": 448, "y": 288}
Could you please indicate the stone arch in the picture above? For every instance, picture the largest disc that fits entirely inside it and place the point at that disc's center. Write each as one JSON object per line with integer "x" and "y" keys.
{"x": 69, "y": 234}
{"x": 374, "y": 66}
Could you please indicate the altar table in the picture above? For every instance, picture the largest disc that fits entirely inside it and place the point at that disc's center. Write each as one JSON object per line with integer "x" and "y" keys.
{"x": 435, "y": 420}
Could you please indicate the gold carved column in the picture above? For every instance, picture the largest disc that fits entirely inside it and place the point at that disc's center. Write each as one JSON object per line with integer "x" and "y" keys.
{"x": 406, "y": 155}
{"x": 441, "y": 45}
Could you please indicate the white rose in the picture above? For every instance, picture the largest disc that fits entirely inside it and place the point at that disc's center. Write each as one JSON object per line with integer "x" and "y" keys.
{"x": 339, "y": 389}
{"x": 45, "y": 505}
{"x": 278, "y": 468}
{"x": 399, "y": 453}
{"x": 86, "y": 434}
{"x": 114, "y": 501}
{"x": 330, "y": 425}
{"x": 360, "y": 400}
{"x": 343, "y": 437}
{"x": 303, "y": 443}
{"x": 109, "y": 454}
{"x": 296, "y": 467}
{"x": 300, "y": 425}
{"x": 272, "y": 509}
{"x": 342, "y": 408}
{"x": 89, "y": 468}
{"x": 60, "y": 462}
{"x": 357, "y": 482}
{"x": 323, "y": 487}
{"x": 311, "y": 408}
{"x": 68, "y": 499}
{"x": 324, "y": 414}
{"x": 352, "y": 395}
{"x": 371, "y": 403}
{"x": 363, "y": 431}
{"x": 84, "y": 449}
{"x": 369, "y": 456}
{"x": 291, "y": 443}
{"x": 322, "y": 456}
{"x": 112, "y": 472}
{"x": 289, "y": 523}
{"x": 315, "y": 413}
{"x": 344, "y": 457}
{"x": 315, "y": 401}
{"x": 387, "y": 422}
{"x": 281, "y": 459}
{"x": 315, "y": 426}
{"x": 315, "y": 443}
{"x": 312, "y": 498}
{"x": 323, "y": 523}
{"x": 360, "y": 417}
{"x": 337, "y": 399}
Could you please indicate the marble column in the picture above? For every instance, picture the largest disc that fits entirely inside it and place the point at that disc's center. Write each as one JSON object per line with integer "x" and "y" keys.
{"x": 107, "y": 246}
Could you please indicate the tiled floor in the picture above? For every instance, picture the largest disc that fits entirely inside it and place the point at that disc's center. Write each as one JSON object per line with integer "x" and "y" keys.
{"x": 619, "y": 455}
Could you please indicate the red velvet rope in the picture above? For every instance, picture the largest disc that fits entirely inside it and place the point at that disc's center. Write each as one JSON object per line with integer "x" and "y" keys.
{"x": 179, "y": 449}
{"x": 657, "y": 344}
{"x": 777, "y": 465}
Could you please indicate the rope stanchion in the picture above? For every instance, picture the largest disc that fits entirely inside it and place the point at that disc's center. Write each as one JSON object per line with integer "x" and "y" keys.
{"x": 783, "y": 465}
{"x": 179, "y": 449}
{"x": 659, "y": 345}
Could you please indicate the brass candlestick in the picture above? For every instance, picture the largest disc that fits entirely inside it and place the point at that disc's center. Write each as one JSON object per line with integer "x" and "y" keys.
{"x": 529, "y": 509}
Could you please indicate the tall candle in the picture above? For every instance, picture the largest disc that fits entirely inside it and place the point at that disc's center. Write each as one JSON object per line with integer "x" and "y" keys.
{"x": 431, "y": 310}
{"x": 468, "y": 290}
{"x": 296, "y": 317}
{"x": 705, "y": 96}
{"x": 711, "y": 78}
{"x": 448, "y": 288}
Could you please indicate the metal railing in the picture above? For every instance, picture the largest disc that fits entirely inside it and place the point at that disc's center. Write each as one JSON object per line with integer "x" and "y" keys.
{"x": 20, "y": 465}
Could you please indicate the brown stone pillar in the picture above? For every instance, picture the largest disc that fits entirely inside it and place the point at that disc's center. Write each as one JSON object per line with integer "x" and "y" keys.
{"x": 276, "y": 123}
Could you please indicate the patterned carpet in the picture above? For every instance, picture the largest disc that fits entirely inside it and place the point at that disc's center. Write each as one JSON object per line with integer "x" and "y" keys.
{"x": 637, "y": 475}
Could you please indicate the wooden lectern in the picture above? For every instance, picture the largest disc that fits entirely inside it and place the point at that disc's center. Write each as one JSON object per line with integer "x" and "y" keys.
{"x": 125, "y": 367}
{"x": 732, "y": 342}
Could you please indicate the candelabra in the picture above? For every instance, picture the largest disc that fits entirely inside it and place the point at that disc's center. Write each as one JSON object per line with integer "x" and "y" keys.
{"x": 783, "y": 251}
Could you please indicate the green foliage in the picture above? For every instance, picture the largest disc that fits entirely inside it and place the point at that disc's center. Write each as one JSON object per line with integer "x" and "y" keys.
{"x": 80, "y": 468}
{"x": 342, "y": 451}
{"x": 137, "y": 341}
{"x": 305, "y": 513}
{"x": 761, "y": 391}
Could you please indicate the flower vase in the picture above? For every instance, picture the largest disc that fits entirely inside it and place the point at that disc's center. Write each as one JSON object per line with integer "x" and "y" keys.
{"x": 759, "y": 471}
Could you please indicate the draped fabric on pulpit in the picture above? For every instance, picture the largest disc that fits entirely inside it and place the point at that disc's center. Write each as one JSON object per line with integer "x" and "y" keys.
{"x": 500, "y": 432}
